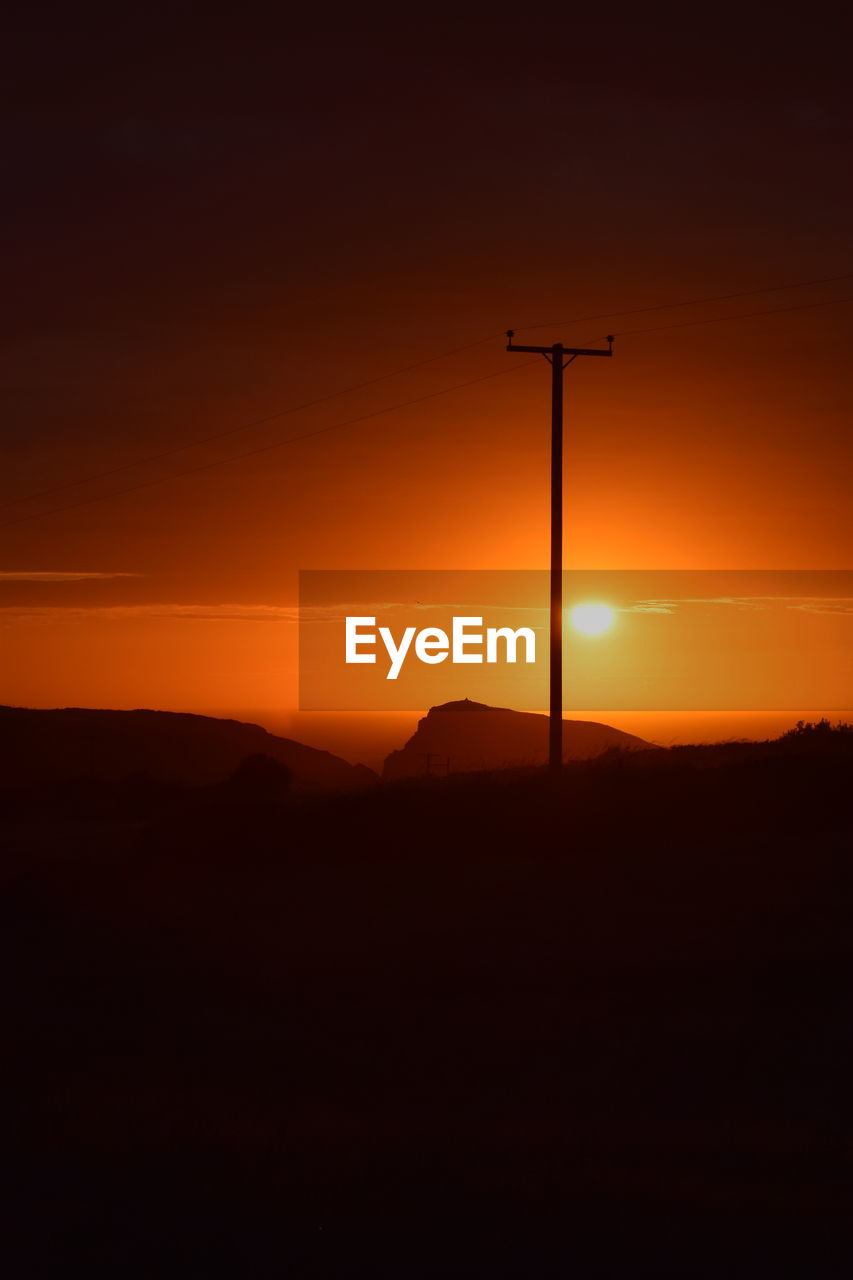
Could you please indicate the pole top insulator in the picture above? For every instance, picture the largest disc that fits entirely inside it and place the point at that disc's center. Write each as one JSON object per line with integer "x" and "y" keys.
{"x": 510, "y": 333}
{"x": 610, "y": 338}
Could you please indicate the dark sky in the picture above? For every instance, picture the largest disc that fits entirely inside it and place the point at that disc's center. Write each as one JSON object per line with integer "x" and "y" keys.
{"x": 163, "y": 173}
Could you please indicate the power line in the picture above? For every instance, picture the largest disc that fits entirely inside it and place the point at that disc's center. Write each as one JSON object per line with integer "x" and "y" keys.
{"x": 266, "y": 448}
{"x": 671, "y": 306}
{"x": 360, "y": 386}
{"x": 230, "y": 431}
{"x": 746, "y": 315}
{"x": 389, "y": 409}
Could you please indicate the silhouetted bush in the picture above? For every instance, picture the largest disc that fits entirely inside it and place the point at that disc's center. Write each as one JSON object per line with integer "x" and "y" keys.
{"x": 807, "y": 728}
{"x": 260, "y": 778}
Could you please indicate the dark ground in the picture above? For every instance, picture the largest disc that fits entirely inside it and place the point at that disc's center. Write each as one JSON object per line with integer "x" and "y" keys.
{"x": 489, "y": 1026}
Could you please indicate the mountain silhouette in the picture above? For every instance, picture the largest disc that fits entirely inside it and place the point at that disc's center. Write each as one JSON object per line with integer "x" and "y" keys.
{"x": 53, "y": 746}
{"x": 472, "y": 735}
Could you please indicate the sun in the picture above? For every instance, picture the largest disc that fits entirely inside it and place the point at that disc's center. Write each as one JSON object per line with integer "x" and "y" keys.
{"x": 592, "y": 619}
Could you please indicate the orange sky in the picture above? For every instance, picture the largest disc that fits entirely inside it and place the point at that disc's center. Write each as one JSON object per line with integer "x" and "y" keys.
{"x": 188, "y": 264}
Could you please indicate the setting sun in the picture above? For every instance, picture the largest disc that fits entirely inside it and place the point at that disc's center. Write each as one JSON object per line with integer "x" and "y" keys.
{"x": 592, "y": 619}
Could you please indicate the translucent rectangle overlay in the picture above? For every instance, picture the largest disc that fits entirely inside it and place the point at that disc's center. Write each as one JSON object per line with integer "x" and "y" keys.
{"x": 661, "y": 640}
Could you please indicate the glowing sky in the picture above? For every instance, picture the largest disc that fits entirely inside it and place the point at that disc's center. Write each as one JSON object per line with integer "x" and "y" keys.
{"x": 207, "y": 229}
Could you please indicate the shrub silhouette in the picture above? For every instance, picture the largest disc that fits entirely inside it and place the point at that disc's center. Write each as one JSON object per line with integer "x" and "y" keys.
{"x": 260, "y": 778}
{"x": 808, "y": 728}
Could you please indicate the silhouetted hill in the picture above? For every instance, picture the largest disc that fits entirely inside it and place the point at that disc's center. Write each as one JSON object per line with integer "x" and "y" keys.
{"x": 473, "y": 736}
{"x": 53, "y": 746}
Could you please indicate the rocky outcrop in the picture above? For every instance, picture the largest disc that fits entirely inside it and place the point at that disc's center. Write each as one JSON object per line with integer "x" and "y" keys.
{"x": 459, "y": 737}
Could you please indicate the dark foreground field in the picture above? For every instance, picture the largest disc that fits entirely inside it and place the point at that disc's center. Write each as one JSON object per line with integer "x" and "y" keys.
{"x": 487, "y": 1027}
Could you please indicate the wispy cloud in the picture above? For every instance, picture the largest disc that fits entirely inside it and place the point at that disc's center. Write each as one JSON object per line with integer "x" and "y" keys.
{"x": 825, "y": 604}
{"x": 59, "y": 575}
{"x": 805, "y": 604}
{"x": 650, "y": 606}
{"x": 291, "y": 614}
{"x": 56, "y": 614}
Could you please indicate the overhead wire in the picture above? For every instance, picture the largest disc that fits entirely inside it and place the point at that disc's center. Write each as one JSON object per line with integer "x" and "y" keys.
{"x": 417, "y": 364}
{"x": 391, "y": 408}
{"x": 266, "y": 448}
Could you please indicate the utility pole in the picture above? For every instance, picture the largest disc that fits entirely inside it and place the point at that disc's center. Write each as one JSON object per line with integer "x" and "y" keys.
{"x": 559, "y": 357}
{"x": 429, "y": 756}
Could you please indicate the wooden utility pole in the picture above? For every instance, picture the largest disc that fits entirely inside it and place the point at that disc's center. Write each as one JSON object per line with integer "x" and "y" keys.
{"x": 559, "y": 357}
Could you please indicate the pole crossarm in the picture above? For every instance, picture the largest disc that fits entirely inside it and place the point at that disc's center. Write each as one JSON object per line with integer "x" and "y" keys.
{"x": 558, "y": 346}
